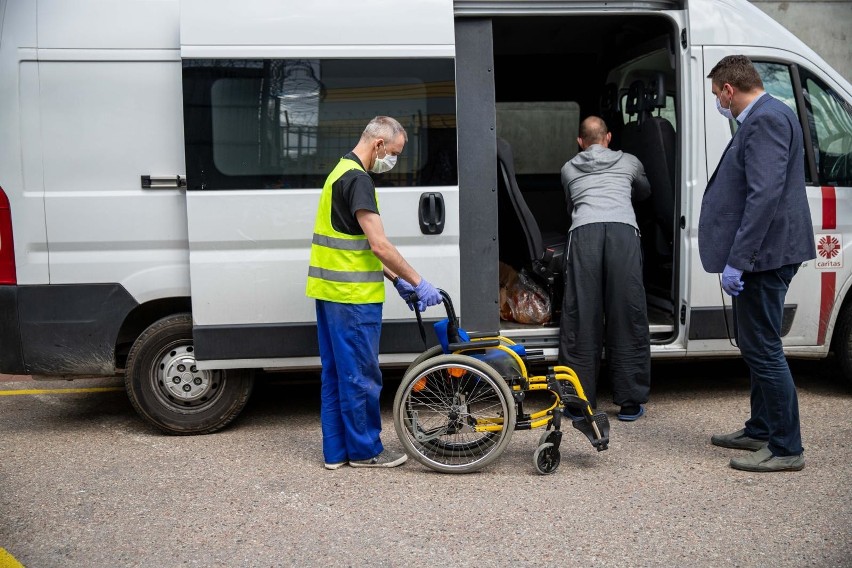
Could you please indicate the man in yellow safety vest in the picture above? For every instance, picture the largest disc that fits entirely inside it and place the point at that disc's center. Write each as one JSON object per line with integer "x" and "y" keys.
{"x": 350, "y": 257}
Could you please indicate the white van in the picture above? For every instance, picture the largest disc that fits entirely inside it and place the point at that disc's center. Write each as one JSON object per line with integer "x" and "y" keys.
{"x": 161, "y": 163}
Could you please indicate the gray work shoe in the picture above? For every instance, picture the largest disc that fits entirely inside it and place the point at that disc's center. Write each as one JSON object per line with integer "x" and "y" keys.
{"x": 384, "y": 459}
{"x": 763, "y": 461}
{"x": 737, "y": 440}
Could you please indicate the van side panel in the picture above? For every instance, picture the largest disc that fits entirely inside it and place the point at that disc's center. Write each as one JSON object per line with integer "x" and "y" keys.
{"x": 95, "y": 24}
{"x": 20, "y": 153}
{"x": 103, "y": 227}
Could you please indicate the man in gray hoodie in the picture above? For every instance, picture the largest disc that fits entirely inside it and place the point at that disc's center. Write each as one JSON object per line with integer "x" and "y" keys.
{"x": 604, "y": 293}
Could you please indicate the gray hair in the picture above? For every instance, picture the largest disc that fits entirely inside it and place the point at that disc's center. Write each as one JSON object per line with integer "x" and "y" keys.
{"x": 383, "y": 127}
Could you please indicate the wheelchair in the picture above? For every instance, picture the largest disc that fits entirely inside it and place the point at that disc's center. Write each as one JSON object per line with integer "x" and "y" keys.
{"x": 459, "y": 402}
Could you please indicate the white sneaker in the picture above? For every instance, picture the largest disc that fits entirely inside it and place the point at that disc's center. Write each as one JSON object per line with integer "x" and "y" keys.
{"x": 336, "y": 465}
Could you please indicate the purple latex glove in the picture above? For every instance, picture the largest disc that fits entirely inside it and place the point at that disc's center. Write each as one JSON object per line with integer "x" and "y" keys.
{"x": 427, "y": 295}
{"x": 405, "y": 290}
{"x": 731, "y": 283}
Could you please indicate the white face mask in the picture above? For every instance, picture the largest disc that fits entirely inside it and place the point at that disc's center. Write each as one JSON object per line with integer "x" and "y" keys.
{"x": 726, "y": 112}
{"x": 382, "y": 165}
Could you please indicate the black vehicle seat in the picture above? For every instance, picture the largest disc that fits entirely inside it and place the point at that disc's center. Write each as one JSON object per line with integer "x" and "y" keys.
{"x": 611, "y": 113}
{"x": 521, "y": 241}
{"x": 652, "y": 140}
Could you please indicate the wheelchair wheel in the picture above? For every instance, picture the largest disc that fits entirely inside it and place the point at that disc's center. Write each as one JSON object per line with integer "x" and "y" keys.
{"x": 454, "y": 413}
{"x": 546, "y": 459}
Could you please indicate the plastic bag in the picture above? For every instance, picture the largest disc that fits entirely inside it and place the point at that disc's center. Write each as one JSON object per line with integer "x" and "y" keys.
{"x": 521, "y": 298}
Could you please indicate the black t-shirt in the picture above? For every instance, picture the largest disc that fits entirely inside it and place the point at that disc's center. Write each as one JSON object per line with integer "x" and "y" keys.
{"x": 354, "y": 190}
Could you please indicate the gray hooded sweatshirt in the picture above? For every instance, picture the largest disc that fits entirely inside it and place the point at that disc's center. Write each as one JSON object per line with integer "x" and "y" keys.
{"x": 600, "y": 184}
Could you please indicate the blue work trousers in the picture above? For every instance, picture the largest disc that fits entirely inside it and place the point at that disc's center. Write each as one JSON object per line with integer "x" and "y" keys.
{"x": 758, "y": 314}
{"x": 351, "y": 380}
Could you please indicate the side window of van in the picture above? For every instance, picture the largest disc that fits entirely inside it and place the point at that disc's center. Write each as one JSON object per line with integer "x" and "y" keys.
{"x": 778, "y": 82}
{"x": 284, "y": 123}
{"x": 830, "y": 121}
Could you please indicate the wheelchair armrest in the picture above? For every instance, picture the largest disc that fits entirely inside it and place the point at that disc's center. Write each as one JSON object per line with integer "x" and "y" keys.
{"x": 481, "y": 334}
{"x": 453, "y": 347}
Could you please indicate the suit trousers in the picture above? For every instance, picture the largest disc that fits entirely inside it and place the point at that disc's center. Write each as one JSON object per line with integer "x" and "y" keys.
{"x": 351, "y": 380}
{"x": 605, "y": 297}
{"x": 758, "y": 313}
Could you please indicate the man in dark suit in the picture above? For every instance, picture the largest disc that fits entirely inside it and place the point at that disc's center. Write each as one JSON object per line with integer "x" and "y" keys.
{"x": 755, "y": 229}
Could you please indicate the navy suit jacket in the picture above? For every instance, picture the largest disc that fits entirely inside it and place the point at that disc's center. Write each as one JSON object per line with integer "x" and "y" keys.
{"x": 755, "y": 214}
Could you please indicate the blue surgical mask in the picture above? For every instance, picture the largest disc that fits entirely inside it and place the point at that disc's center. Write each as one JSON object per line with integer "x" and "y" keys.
{"x": 726, "y": 112}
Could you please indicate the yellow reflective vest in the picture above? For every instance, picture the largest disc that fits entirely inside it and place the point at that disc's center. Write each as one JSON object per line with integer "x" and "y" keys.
{"x": 343, "y": 268}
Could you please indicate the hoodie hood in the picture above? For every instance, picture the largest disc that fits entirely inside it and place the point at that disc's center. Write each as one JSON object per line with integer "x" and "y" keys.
{"x": 595, "y": 158}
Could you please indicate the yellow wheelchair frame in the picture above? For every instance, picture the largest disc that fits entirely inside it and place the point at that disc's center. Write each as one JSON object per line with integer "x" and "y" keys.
{"x": 457, "y": 406}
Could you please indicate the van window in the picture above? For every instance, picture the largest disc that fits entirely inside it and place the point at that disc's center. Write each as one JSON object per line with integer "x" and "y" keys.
{"x": 284, "y": 123}
{"x": 830, "y": 121}
{"x": 778, "y": 82}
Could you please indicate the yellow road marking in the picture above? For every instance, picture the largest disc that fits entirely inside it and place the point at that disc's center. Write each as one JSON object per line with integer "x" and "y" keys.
{"x": 56, "y": 391}
{"x": 8, "y": 561}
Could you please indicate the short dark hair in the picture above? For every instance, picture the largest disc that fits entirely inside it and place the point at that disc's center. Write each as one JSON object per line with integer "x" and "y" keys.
{"x": 738, "y": 71}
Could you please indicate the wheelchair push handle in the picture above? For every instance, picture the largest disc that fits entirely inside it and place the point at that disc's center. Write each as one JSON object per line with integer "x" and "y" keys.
{"x": 447, "y": 301}
{"x": 453, "y": 322}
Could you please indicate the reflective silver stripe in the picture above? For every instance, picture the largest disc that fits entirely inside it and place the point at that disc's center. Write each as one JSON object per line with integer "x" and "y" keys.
{"x": 341, "y": 244}
{"x": 340, "y": 276}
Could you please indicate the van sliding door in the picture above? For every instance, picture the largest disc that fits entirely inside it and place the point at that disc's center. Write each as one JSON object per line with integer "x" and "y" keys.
{"x": 272, "y": 100}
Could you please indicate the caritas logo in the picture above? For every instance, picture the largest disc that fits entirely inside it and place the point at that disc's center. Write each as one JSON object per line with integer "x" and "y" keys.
{"x": 829, "y": 251}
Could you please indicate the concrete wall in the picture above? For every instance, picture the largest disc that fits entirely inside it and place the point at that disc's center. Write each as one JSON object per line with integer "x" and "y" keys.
{"x": 825, "y": 25}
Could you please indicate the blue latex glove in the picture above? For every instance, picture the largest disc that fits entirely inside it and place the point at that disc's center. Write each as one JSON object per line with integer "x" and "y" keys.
{"x": 405, "y": 290}
{"x": 427, "y": 295}
{"x": 731, "y": 283}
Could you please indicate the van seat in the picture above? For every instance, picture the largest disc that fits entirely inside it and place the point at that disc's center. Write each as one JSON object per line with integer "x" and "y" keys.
{"x": 521, "y": 240}
{"x": 652, "y": 140}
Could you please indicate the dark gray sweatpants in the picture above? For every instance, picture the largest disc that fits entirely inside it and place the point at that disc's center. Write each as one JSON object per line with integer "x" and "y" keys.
{"x": 605, "y": 297}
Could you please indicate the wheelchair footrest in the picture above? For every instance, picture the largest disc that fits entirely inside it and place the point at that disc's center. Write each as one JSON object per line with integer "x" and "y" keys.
{"x": 596, "y": 429}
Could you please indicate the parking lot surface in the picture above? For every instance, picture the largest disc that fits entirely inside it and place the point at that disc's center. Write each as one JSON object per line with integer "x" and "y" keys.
{"x": 84, "y": 482}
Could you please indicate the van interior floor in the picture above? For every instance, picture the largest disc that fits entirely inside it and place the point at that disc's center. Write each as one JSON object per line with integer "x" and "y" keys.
{"x": 660, "y": 323}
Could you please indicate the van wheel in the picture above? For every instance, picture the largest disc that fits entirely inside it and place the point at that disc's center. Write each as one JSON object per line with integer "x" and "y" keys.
{"x": 167, "y": 389}
{"x": 842, "y": 343}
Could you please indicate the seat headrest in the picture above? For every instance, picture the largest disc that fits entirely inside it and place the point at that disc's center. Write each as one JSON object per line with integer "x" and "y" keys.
{"x": 635, "y": 97}
{"x": 609, "y": 99}
{"x": 655, "y": 94}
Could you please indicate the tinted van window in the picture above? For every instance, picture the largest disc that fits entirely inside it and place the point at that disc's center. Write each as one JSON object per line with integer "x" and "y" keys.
{"x": 284, "y": 123}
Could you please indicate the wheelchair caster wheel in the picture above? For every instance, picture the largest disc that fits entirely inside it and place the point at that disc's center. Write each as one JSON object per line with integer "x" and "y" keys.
{"x": 546, "y": 459}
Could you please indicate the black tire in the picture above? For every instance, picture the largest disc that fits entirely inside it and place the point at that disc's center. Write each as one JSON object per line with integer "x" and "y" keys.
{"x": 842, "y": 343}
{"x": 168, "y": 391}
{"x": 447, "y": 396}
{"x": 546, "y": 459}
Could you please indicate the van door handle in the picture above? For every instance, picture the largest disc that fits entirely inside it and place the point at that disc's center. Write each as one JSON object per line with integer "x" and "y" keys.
{"x": 163, "y": 182}
{"x": 431, "y": 213}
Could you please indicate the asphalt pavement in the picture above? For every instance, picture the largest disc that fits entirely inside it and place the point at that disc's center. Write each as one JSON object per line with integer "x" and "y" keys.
{"x": 84, "y": 482}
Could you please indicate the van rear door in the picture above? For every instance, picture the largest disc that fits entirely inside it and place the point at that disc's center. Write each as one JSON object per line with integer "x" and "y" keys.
{"x": 273, "y": 98}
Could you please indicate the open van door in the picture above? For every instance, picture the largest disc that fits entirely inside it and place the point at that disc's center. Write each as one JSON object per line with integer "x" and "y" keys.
{"x": 807, "y": 90}
{"x": 273, "y": 97}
